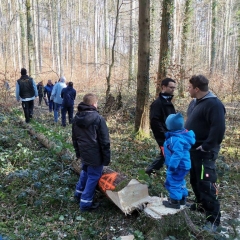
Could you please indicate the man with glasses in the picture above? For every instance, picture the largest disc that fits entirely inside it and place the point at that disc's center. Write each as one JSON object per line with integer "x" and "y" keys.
{"x": 159, "y": 111}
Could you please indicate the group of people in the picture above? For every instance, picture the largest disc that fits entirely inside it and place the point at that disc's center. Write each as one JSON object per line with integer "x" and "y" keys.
{"x": 192, "y": 146}
{"x": 58, "y": 97}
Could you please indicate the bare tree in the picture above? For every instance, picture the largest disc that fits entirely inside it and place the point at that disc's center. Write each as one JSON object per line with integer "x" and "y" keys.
{"x": 113, "y": 51}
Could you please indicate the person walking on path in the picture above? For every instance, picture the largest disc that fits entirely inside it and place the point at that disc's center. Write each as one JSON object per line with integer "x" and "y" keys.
{"x": 47, "y": 92}
{"x": 26, "y": 91}
{"x": 68, "y": 95}
{"x": 206, "y": 117}
{"x": 159, "y": 111}
{"x": 40, "y": 89}
{"x": 91, "y": 142}
{"x": 177, "y": 159}
{"x": 56, "y": 97}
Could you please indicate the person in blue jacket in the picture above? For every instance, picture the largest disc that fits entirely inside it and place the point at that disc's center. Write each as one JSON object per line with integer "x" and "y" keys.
{"x": 48, "y": 91}
{"x": 177, "y": 159}
{"x": 56, "y": 97}
{"x": 68, "y": 95}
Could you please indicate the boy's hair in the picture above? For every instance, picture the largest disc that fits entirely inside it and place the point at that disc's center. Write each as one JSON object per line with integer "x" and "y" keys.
{"x": 200, "y": 82}
{"x": 90, "y": 99}
{"x": 166, "y": 81}
{"x": 70, "y": 84}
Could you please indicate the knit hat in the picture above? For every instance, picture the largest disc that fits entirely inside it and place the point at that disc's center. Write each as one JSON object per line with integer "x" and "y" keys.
{"x": 62, "y": 79}
{"x": 175, "y": 122}
{"x": 23, "y": 71}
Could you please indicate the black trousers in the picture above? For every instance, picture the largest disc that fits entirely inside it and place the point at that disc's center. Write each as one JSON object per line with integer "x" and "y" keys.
{"x": 203, "y": 179}
{"x": 28, "y": 109}
{"x": 157, "y": 163}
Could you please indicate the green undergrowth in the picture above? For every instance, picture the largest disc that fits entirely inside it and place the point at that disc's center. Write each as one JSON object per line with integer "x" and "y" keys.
{"x": 37, "y": 187}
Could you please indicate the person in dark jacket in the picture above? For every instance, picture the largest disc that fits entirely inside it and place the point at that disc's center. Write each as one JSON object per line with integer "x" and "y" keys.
{"x": 40, "y": 89}
{"x": 159, "y": 111}
{"x": 48, "y": 91}
{"x": 91, "y": 142}
{"x": 177, "y": 159}
{"x": 206, "y": 117}
{"x": 26, "y": 91}
{"x": 68, "y": 95}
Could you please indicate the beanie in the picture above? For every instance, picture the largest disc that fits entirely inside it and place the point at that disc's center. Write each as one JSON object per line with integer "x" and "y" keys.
{"x": 23, "y": 71}
{"x": 62, "y": 79}
{"x": 175, "y": 122}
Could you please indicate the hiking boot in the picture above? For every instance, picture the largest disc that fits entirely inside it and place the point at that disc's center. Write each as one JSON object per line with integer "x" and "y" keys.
{"x": 148, "y": 171}
{"x": 183, "y": 201}
{"x": 210, "y": 227}
{"x": 196, "y": 207}
{"x": 171, "y": 203}
{"x": 77, "y": 199}
{"x": 93, "y": 207}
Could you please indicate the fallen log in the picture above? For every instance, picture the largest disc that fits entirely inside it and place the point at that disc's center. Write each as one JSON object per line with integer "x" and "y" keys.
{"x": 127, "y": 194}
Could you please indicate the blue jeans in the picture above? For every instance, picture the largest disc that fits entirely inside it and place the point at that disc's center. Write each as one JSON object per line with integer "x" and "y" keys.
{"x": 66, "y": 110}
{"x": 86, "y": 185}
{"x": 57, "y": 107}
{"x": 50, "y": 104}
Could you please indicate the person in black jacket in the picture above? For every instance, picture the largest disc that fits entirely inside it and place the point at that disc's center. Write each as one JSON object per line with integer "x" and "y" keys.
{"x": 206, "y": 117}
{"x": 26, "y": 91}
{"x": 159, "y": 111}
{"x": 91, "y": 142}
{"x": 68, "y": 95}
{"x": 40, "y": 89}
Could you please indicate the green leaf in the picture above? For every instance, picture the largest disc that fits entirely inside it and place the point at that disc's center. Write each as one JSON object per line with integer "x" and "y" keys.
{"x": 61, "y": 218}
{"x": 80, "y": 218}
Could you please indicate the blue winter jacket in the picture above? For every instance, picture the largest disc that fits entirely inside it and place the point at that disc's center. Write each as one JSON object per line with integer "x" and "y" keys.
{"x": 176, "y": 149}
{"x": 68, "y": 95}
{"x": 56, "y": 92}
{"x": 48, "y": 90}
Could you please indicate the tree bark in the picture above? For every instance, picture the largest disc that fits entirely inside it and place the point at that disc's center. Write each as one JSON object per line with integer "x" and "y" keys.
{"x": 31, "y": 50}
{"x": 142, "y": 106}
{"x": 166, "y": 36}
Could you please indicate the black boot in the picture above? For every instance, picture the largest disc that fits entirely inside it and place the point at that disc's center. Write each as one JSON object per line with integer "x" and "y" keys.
{"x": 171, "y": 203}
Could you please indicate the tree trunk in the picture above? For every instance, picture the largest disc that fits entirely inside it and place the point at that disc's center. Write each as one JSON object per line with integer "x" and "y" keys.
{"x": 60, "y": 55}
{"x": 213, "y": 36}
{"x": 31, "y": 52}
{"x": 185, "y": 33}
{"x": 131, "y": 70}
{"x": 23, "y": 36}
{"x": 166, "y": 34}
{"x": 142, "y": 107}
{"x": 39, "y": 38}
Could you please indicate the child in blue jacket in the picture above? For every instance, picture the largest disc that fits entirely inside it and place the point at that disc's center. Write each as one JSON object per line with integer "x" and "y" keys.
{"x": 177, "y": 159}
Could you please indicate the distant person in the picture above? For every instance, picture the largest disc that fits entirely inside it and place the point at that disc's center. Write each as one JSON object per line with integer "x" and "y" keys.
{"x": 56, "y": 97}
{"x": 159, "y": 111}
{"x": 91, "y": 142}
{"x": 177, "y": 159}
{"x": 206, "y": 117}
{"x": 47, "y": 92}
{"x": 40, "y": 89}
{"x": 26, "y": 91}
{"x": 68, "y": 95}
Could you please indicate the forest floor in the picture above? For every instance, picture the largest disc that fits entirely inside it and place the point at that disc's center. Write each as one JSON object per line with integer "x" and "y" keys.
{"x": 37, "y": 184}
